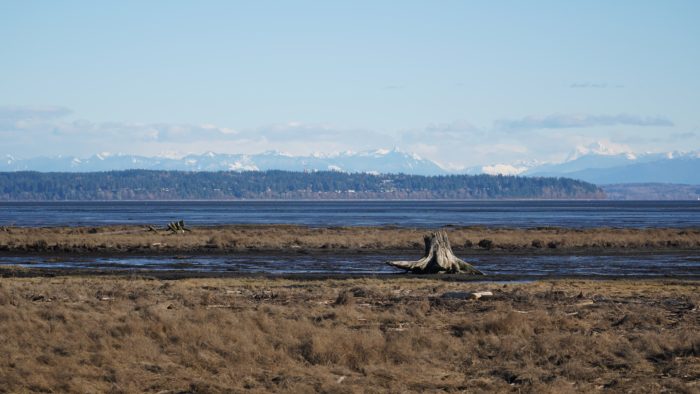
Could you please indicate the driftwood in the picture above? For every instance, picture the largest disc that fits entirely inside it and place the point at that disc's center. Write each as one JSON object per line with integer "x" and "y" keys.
{"x": 467, "y": 295}
{"x": 177, "y": 227}
{"x": 438, "y": 258}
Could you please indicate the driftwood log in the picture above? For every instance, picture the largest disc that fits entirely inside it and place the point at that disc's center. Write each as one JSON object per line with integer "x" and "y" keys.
{"x": 177, "y": 227}
{"x": 438, "y": 258}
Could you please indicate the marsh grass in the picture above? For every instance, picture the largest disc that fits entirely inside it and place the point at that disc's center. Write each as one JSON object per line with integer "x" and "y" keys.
{"x": 133, "y": 239}
{"x": 89, "y": 334}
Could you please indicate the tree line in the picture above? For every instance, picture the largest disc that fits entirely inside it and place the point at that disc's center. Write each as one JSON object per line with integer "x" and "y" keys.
{"x": 226, "y": 185}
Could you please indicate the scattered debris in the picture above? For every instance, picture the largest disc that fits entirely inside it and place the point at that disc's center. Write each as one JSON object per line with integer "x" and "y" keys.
{"x": 176, "y": 227}
{"x": 621, "y": 321}
{"x": 479, "y": 294}
{"x": 466, "y": 295}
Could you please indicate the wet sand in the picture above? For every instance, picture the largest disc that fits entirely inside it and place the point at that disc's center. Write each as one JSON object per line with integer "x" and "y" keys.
{"x": 510, "y": 267}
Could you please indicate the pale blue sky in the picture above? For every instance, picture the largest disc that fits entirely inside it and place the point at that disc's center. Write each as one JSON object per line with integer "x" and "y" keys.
{"x": 460, "y": 82}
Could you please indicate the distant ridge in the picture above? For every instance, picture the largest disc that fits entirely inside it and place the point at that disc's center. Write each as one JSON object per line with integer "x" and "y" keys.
{"x": 377, "y": 161}
{"x": 228, "y": 185}
{"x": 601, "y": 169}
{"x": 600, "y": 165}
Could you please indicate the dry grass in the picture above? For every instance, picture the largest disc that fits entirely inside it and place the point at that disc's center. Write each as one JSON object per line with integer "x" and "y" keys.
{"x": 131, "y": 239}
{"x": 356, "y": 335}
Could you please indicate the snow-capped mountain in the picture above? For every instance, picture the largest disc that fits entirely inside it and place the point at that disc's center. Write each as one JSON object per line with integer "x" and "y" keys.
{"x": 626, "y": 167}
{"x": 604, "y": 163}
{"x": 378, "y": 161}
{"x": 515, "y": 168}
{"x": 597, "y": 164}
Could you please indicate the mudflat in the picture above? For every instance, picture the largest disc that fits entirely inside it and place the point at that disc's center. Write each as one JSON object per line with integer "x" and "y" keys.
{"x": 140, "y": 240}
{"x": 401, "y": 334}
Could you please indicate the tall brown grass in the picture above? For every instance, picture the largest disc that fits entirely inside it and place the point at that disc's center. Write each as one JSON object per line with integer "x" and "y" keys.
{"x": 241, "y": 238}
{"x": 356, "y": 335}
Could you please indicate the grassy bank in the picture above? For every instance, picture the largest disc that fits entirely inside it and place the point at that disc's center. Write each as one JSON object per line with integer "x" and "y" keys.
{"x": 89, "y": 334}
{"x": 284, "y": 238}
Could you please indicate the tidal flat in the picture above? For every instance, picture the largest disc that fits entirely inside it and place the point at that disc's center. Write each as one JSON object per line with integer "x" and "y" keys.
{"x": 400, "y": 334}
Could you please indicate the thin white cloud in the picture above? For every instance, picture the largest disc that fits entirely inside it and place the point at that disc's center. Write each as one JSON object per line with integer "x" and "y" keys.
{"x": 595, "y": 85}
{"x": 17, "y": 113}
{"x": 46, "y": 131}
{"x": 18, "y": 117}
{"x": 23, "y": 127}
{"x": 46, "y": 123}
{"x": 457, "y": 131}
{"x": 689, "y": 136}
{"x": 563, "y": 121}
{"x": 315, "y": 133}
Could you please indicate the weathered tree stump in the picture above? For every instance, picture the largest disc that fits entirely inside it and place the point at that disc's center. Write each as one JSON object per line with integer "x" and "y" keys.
{"x": 438, "y": 258}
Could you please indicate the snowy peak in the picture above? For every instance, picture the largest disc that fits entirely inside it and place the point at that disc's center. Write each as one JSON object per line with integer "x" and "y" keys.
{"x": 600, "y": 163}
{"x": 377, "y": 161}
{"x": 503, "y": 169}
{"x": 601, "y": 148}
{"x": 605, "y": 166}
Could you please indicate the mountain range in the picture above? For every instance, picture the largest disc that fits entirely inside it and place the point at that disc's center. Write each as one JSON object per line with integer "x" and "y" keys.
{"x": 591, "y": 165}
{"x": 620, "y": 168}
{"x": 378, "y": 161}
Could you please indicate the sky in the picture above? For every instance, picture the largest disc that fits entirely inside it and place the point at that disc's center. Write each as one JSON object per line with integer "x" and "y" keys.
{"x": 463, "y": 83}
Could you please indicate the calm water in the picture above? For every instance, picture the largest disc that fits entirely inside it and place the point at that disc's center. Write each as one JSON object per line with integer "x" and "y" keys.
{"x": 615, "y": 265}
{"x": 360, "y": 213}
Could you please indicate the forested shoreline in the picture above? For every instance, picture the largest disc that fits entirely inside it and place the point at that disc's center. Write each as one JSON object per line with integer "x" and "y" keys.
{"x": 227, "y": 185}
